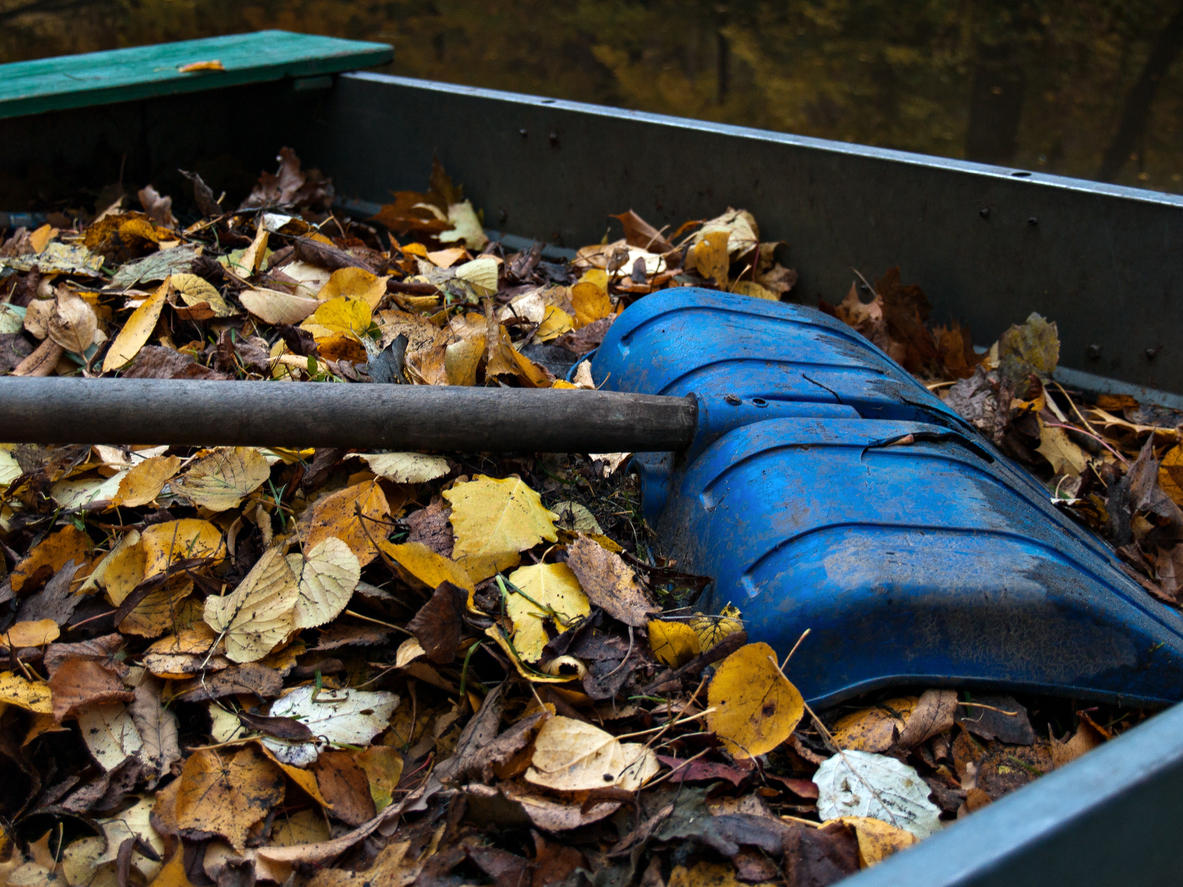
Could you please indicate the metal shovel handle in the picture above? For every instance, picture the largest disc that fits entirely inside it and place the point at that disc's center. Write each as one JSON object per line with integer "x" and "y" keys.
{"x": 302, "y": 414}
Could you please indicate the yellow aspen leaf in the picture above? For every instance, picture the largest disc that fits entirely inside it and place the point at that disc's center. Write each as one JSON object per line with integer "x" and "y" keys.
{"x": 554, "y": 323}
{"x": 709, "y": 256}
{"x": 1170, "y": 474}
{"x": 494, "y": 521}
{"x": 877, "y": 839}
{"x": 32, "y": 696}
{"x": 258, "y": 615}
{"x": 406, "y": 468}
{"x": 325, "y": 579}
{"x": 542, "y": 593}
{"x": 874, "y": 729}
{"x": 573, "y": 755}
{"x": 176, "y": 540}
{"x": 274, "y": 306}
{"x": 754, "y": 706}
{"x": 222, "y": 478}
{"x": 143, "y": 482}
{"x": 355, "y": 515}
{"x": 30, "y": 633}
{"x": 51, "y": 554}
{"x": 73, "y": 323}
{"x": 120, "y": 570}
{"x": 497, "y": 634}
{"x": 712, "y": 629}
{"x": 136, "y": 331}
{"x": 673, "y": 642}
{"x": 753, "y": 290}
{"x": 194, "y": 291}
{"x": 589, "y": 298}
{"x": 354, "y": 283}
{"x": 341, "y": 315}
{"x": 419, "y": 564}
{"x": 227, "y": 792}
{"x": 462, "y": 358}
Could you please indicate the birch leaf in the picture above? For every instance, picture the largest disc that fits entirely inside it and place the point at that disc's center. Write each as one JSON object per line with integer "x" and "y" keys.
{"x": 221, "y": 479}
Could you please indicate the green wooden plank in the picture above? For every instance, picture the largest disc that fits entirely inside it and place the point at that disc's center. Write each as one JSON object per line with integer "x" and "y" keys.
{"x": 121, "y": 75}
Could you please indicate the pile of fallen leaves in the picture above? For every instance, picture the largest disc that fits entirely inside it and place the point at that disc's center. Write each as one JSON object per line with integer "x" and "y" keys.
{"x": 246, "y": 664}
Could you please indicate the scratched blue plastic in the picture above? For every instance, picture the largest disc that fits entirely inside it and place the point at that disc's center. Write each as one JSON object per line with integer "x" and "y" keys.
{"x": 828, "y": 491}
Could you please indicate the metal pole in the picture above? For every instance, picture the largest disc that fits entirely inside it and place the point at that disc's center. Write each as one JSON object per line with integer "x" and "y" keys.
{"x": 413, "y": 417}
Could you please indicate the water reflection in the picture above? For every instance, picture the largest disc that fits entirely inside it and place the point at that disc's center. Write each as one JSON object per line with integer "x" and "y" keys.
{"x": 1092, "y": 88}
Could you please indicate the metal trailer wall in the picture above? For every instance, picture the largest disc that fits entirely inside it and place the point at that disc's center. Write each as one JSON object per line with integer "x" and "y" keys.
{"x": 987, "y": 244}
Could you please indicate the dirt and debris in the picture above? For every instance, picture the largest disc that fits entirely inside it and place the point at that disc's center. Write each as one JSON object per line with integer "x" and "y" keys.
{"x": 252, "y": 665}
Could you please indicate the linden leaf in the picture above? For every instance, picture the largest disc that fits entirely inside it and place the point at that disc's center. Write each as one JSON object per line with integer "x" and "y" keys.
{"x": 32, "y": 696}
{"x": 572, "y": 755}
{"x": 406, "y": 468}
{"x": 494, "y": 521}
{"x": 418, "y": 563}
{"x": 136, "y": 331}
{"x": 221, "y": 479}
{"x": 195, "y": 291}
{"x": 542, "y": 593}
{"x": 754, "y": 706}
{"x": 325, "y": 580}
{"x": 143, "y": 482}
{"x": 227, "y": 792}
{"x": 339, "y": 315}
{"x": 356, "y": 515}
{"x": 109, "y": 733}
{"x": 166, "y": 543}
{"x": 338, "y": 717}
{"x": 673, "y": 642}
{"x": 258, "y": 615}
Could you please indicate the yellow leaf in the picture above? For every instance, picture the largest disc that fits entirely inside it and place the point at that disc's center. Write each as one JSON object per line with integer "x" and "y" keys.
{"x": 755, "y": 707}
{"x": 356, "y": 515}
{"x": 1170, "y": 474}
{"x": 482, "y": 273}
{"x": 589, "y": 298}
{"x": 249, "y": 260}
{"x": 221, "y": 479}
{"x": 462, "y": 358}
{"x": 497, "y": 634}
{"x": 277, "y": 307}
{"x": 542, "y": 593}
{"x": 877, "y": 839}
{"x": 573, "y": 755}
{"x": 73, "y": 324}
{"x": 874, "y": 729}
{"x": 195, "y": 291}
{"x": 1061, "y": 452}
{"x": 33, "y": 633}
{"x": 51, "y": 554}
{"x": 753, "y": 290}
{"x": 740, "y": 227}
{"x": 144, "y": 481}
{"x": 195, "y": 67}
{"x": 163, "y": 609}
{"x": 712, "y": 629}
{"x": 341, "y": 315}
{"x": 225, "y": 792}
{"x": 354, "y": 283}
{"x": 30, "y": 695}
{"x": 40, "y": 238}
{"x": 420, "y": 564}
{"x": 709, "y": 256}
{"x": 120, "y": 570}
{"x": 494, "y": 521}
{"x": 258, "y": 615}
{"x": 325, "y": 580}
{"x": 555, "y": 322}
{"x": 673, "y": 642}
{"x": 383, "y": 767}
{"x": 466, "y": 227}
{"x": 165, "y": 544}
{"x": 135, "y": 332}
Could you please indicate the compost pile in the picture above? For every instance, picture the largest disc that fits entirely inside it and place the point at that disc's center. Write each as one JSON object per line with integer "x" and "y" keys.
{"x": 332, "y": 667}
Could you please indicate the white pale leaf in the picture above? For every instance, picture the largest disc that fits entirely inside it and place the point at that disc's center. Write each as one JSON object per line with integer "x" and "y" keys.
{"x": 325, "y": 579}
{"x": 859, "y": 783}
{"x": 336, "y": 717}
{"x": 406, "y": 468}
{"x": 109, "y": 733}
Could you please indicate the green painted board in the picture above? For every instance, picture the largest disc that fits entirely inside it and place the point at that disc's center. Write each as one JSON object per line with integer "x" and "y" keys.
{"x": 98, "y": 78}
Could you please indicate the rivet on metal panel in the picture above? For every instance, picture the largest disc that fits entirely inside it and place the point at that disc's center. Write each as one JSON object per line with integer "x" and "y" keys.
{"x": 1032, "y": 221}
{"x": 984, "y": 212}
{"x": 523, "y": 132}
{"x": 1152, "y": 353}
{"x": 1093, "y": 352}
{"x": 554, "y": 139}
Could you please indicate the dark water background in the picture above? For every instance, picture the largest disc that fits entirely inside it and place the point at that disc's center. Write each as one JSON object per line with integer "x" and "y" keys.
{"x": 1092, "y": 88}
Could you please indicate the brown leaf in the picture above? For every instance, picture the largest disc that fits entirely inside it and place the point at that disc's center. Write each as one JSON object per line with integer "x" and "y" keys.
{"x": 225, "y": 792}
{"x": 42, "y": 361}
{"x": 430, "y": 526}
{"x": 609, "y": 582}
{"x": 80, "y": 682}
{"x": 156, "y": 362}
{"x": 997, "y": 717}
{"x": 438, "y": 624}
{"x": 815, "y": 857}
{"x": 345, "y": 786}
{"x": 157, "y": 727}
{"x": 73, "y": 323}
{"x": 639, "y": 233}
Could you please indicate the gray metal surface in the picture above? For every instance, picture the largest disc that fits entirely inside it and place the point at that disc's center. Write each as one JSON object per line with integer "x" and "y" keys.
{"x": 1111, "y": 817}
{"x": 988, "y": 244}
